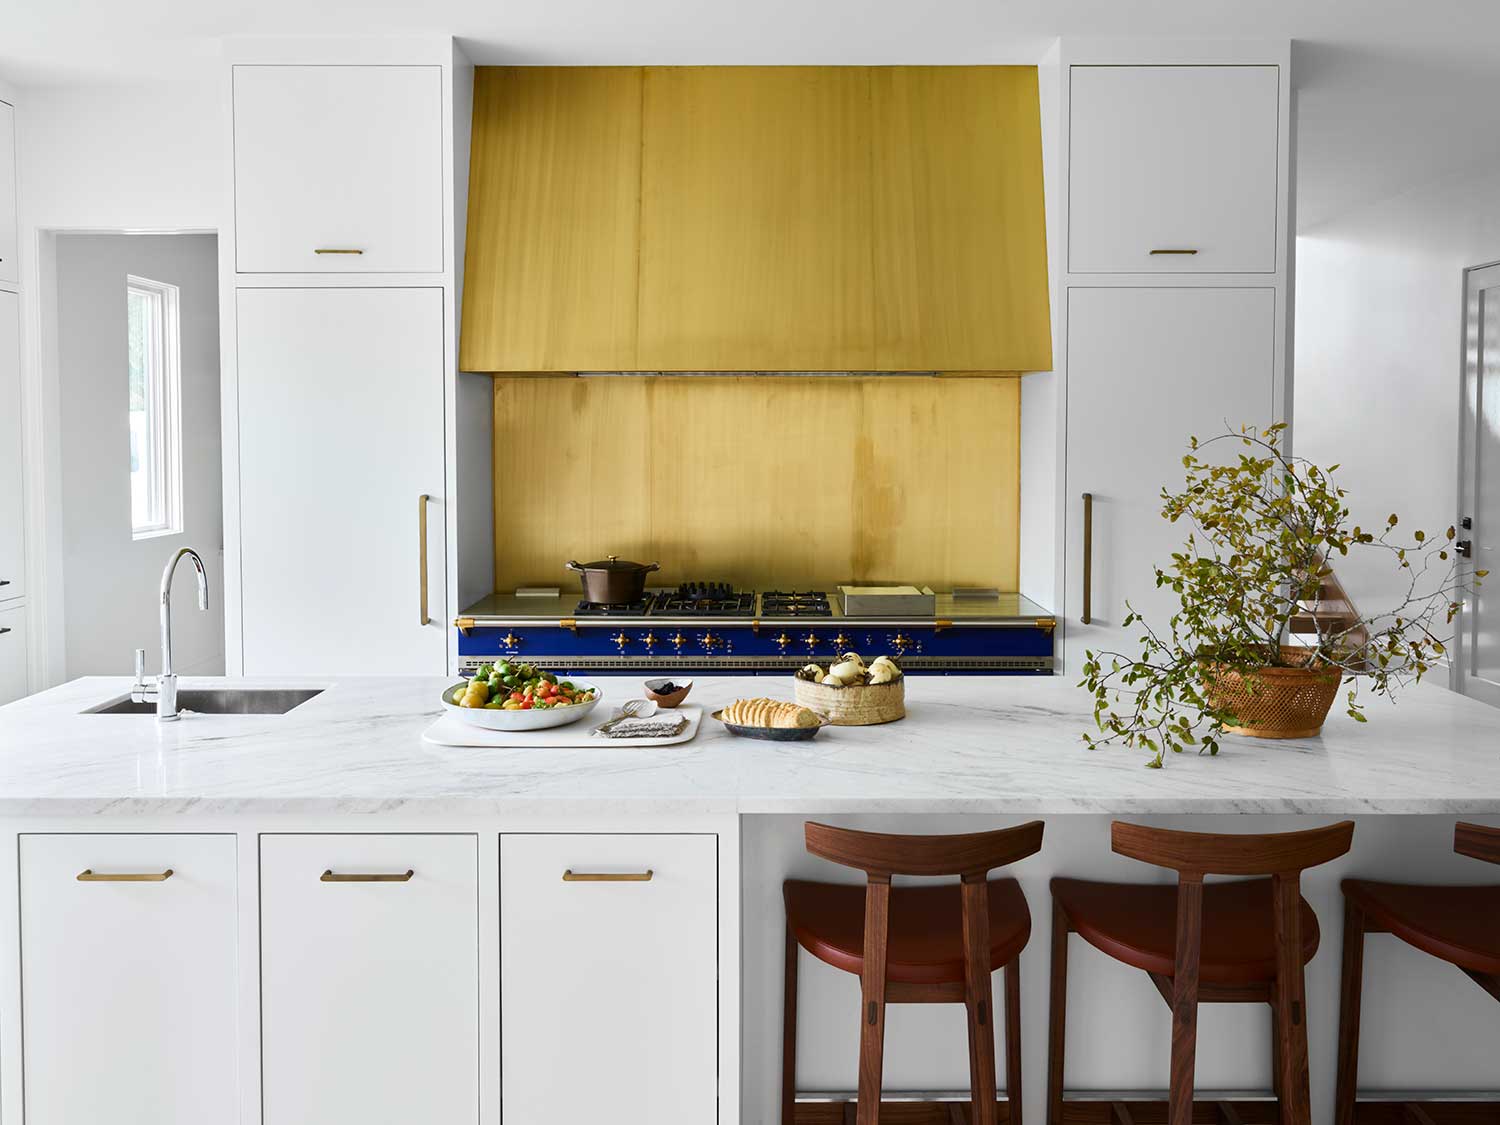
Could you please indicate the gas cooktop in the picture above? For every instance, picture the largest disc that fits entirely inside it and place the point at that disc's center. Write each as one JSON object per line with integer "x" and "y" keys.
{"x": 713, "y": 599}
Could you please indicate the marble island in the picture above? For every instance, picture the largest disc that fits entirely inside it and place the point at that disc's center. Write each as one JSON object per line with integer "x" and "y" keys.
{"x": 968, "y": 745}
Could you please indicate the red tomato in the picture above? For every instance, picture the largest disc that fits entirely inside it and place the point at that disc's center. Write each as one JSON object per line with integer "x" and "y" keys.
{"x": 526, "y": 705}
{"x": 516, "y": 697}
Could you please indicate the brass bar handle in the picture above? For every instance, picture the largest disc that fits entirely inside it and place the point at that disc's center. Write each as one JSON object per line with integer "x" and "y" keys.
{"x": 331, "y": 876}
{"x": 89, "y": 875}
{"x": 1173, "y": 250}
{"x": 1087, "y": 615}
{"x": 422, "y": 556}
{"x": 335, "y": 250}
{"x": 571, "y": 876}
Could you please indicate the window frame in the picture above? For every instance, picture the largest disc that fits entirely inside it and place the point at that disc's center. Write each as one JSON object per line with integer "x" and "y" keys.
{"x": 162, "y": 362}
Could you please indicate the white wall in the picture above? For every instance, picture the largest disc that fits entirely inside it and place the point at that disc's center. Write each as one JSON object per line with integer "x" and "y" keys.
{"x": 140, "y": 157}
{"x": 1379, "y": 311}
{"x": 110, "y": 581}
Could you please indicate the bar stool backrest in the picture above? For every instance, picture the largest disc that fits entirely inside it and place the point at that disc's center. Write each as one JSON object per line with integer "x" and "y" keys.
{"x": 1196, "y": 854}
{"x": 1477, "y": 841}
{"x": 880, "y": 854}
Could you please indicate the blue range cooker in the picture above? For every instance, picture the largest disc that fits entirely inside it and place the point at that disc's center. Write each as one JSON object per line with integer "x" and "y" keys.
{"x": 710, "y": 628}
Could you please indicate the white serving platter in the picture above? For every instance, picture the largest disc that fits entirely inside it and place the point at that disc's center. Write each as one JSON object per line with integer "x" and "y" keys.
{"x": 452, "y": 731}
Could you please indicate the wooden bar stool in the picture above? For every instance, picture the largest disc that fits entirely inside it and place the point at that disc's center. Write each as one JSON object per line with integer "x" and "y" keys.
{"x": 915, "y": 945}
{"x": 1460, "y": 925}
{"x": 1237, "y": 942}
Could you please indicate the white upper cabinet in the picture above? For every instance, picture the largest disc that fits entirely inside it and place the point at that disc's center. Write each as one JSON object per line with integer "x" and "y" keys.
{"x": 130, "y": 978}
{"x": 341, "y": 434}
{"x": 338, "y": 169}
{"x": 8, "y": 242}
{"x": 1173, "y": 169}
{"x": 12, "y": 537}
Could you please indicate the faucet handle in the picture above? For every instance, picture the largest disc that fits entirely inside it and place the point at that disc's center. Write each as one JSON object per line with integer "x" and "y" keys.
{"x": 140, "y": 665}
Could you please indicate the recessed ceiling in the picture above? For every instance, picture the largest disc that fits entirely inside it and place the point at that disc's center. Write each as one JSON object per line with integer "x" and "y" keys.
{"x": 1392, "y": 92}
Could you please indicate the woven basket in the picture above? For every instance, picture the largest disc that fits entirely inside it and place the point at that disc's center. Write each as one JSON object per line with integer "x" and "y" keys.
{"x": 1274, "y": 702}
{"x": 857, "y": 705}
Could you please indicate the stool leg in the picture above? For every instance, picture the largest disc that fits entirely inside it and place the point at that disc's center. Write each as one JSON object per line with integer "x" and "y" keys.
{"x": 1013, "y": 1041}
{"x": 1353, "y": 982}
{"x": 1185, "y": 1000}
{"x": 1057, "y": 1017}
{"x": 1290, "y": 1006}
{"x": 979, "y": 1001}
{"x": 872, "y": 999}
{"x": 1275, "y": 1055}
{"x": 789, "y": 1033}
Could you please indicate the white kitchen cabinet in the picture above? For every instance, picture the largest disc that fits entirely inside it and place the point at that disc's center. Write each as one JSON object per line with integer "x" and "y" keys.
{"x": 12, "y": 499}
{"x": 13, "y": 677}
{"x": 9, "y": 268}
{"x": 608, "y": 989}
{"x": 369, "y": 988}
{"x": 1173, "y": 158}
{"x": 129, "y": 1008}
{"x": 1147, "y": 369}
{"x": 347, "y": 160}
{"x": 341, "y": 433}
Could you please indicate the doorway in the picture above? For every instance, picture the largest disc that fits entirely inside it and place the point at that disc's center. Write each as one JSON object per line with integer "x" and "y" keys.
{"x": 137, "y": 352}
{"x": 1476, "y": 656}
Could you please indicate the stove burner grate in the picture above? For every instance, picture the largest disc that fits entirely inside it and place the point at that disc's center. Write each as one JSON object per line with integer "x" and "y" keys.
{"x": 795, "y": 603}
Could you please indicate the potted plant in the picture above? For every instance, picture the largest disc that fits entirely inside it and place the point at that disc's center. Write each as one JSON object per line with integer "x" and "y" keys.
{"x": 1262, "y": 529}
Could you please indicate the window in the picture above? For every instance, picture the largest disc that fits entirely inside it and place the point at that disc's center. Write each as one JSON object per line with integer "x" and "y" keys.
{"x": 155, "y": 359}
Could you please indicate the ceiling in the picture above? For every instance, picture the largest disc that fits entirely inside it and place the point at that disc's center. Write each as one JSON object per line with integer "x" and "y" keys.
{"x": 1392, "y": 93}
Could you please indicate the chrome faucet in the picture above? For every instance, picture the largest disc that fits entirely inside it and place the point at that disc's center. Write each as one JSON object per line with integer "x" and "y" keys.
{"x": 165, "y": 691}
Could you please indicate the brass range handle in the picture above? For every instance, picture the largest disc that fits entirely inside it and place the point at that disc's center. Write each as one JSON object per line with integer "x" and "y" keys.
{"x": 89, "y": 875}
{"x": 571, "y": 876}
{"x": 336, "y": 250}
{"x": 331, "y": 876}
{"x": 1173, "y": 250}
{"x": 422, "y": 556}
{"x": 1087, "y": 615}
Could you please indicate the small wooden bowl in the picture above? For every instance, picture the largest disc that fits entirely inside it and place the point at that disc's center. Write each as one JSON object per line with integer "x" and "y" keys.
{"x": 671, "y": 698}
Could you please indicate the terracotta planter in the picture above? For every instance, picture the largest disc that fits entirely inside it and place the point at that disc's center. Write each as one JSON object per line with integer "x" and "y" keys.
{"x": 1275, "y": 702}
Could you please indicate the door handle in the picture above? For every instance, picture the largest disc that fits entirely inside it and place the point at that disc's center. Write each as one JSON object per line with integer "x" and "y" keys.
{"x": 422, "y": 555}
{"x": 369, "y": 877}
{"x": 571, "y": 876}
{"x": 89, "y": 875}
{"x": 1172, "y": 250}
{"x": 1087, "y": 615}
{"x": 336, "y": 250}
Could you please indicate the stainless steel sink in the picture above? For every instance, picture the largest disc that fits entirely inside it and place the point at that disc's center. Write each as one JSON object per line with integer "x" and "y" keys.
{"x": 217, "y": 701}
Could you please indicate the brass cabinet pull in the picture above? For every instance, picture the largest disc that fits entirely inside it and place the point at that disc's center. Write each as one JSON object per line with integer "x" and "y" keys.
{"x": 1170, "y": 250}
{"x": 369, "y": 877}
{"x": 1088, "y": 559}
{"x": 422, "y": 555}
{"x": 571, "y": 876}
{"x": 335, "y": 250}
{"x": 89, "y": 875}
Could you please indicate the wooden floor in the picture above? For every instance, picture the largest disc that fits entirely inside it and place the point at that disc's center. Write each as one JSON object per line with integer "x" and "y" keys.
{"x": 1262, "y": 1112}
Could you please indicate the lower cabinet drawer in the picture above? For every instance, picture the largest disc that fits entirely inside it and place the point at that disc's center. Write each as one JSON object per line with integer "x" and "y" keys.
{"x": 369, "y": 979}
{"x": 608, "y": 985}
{"x": 129, "y": 979}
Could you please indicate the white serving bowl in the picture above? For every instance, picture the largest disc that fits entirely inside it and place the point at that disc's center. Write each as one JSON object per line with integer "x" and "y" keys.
{"x": 493, "y": 718}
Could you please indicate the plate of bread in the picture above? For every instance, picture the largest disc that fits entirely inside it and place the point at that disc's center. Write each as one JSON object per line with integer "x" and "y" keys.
{"x": 771, "y": 719}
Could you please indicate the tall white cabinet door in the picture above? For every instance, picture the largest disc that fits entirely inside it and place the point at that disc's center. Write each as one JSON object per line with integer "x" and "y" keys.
{"x": 9, "y": 268}
{"x": 13, "y": 662}
{"x": 128, "y": 1010}
{"x": 12, "y": 498}
{"x": 1173, "y": 158}
{"x": 369, "y": 988}
{"x": 341, "y": 432}
{"x": 1147, "y": 369}
{"x": 347, "y": 160}
{"x": 608, "y": 989}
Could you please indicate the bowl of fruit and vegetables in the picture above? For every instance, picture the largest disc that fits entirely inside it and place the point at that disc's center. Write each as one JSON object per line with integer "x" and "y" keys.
{"x": 510, "y": 695}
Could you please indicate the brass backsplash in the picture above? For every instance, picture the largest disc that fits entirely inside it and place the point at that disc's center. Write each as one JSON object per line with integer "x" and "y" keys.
{"x": 759, "y": 480}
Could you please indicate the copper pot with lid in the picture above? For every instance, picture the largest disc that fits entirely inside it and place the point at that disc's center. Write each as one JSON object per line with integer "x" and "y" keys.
{"x": 613, "y": 580}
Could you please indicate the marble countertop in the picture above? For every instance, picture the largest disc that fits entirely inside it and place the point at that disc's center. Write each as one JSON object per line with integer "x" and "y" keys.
{"x": 998, "y": 745}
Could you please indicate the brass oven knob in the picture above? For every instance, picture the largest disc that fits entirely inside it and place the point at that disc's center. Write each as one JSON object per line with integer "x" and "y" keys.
{"x": 842, "y": 642}
{"x": 649, "y": 640}
{"x": 678, "y": 640}
{"x": 710, "y": 641}
{"x": 621, "y": 640}
{"x": 901, "y": 642}
{"x": 782, "y": 641}
{"x": 810, "y": 641}
{"x": 510, "y": 640}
